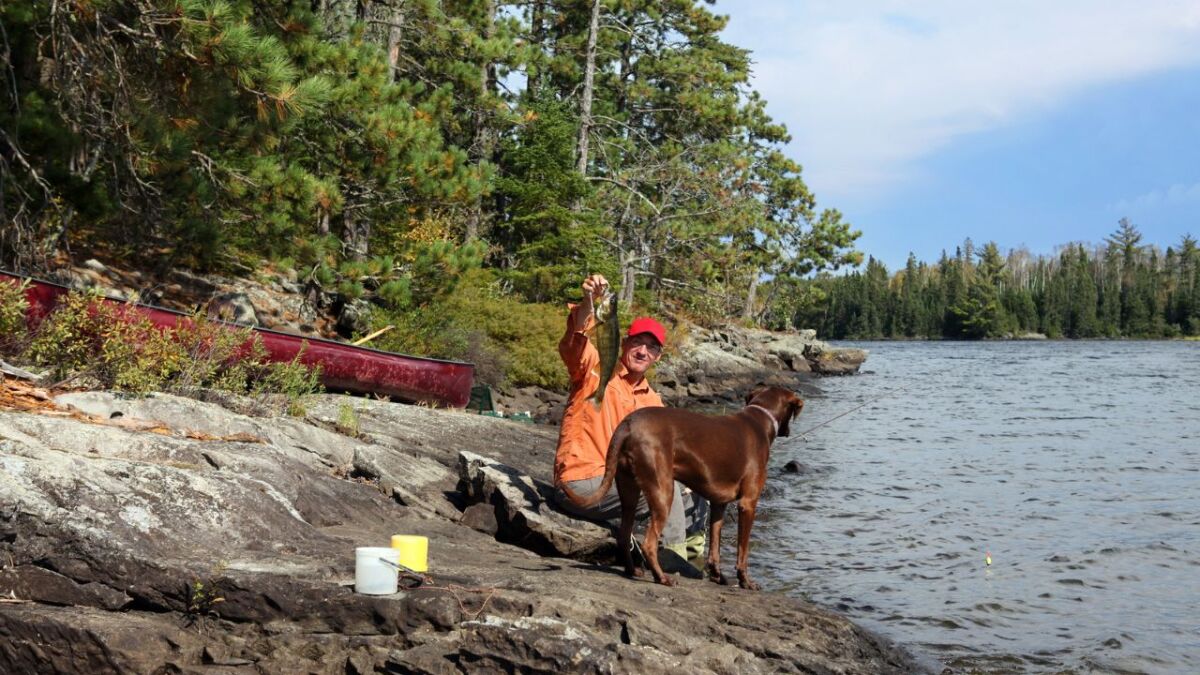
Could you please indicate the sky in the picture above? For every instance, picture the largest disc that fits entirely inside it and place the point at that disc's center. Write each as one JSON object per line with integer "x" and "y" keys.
{"x": 1029, "y": 123}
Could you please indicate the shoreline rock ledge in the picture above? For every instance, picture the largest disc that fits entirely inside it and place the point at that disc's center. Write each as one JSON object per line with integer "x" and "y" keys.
{"x": 172, "y": 535}
{"x": 711, "y": 362}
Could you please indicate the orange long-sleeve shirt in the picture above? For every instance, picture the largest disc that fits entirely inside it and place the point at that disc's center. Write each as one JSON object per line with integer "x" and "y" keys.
{"x": 585, "y": 432}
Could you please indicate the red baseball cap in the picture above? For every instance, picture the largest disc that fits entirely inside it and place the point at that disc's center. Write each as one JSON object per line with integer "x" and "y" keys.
{"x": 644, "y": 324}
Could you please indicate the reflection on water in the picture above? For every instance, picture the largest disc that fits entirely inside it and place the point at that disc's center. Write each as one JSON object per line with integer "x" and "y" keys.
{"x": 1076, "y": 465}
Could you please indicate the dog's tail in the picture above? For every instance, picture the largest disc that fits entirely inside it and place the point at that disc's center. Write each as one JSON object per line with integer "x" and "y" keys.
{"x": 610, "y": 470}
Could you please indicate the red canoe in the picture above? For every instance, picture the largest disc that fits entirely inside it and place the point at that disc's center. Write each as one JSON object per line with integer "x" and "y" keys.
{"x": 344, "y": 367}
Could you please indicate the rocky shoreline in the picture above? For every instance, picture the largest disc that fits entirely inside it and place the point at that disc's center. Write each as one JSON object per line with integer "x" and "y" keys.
{"x": 207, "y": 535}
{"x": 168, "y": 534}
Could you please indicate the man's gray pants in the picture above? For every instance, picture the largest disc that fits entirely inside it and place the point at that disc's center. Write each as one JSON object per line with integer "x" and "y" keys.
{"x": 608, "y": 511}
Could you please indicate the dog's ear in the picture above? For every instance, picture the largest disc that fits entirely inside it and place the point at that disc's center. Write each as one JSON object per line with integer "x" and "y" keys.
{"x": 754, "y": 393}
{"x": 794, "y": 406}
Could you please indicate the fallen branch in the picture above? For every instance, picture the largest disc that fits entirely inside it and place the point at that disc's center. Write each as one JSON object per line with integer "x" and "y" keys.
{"x": 21, "y": 373}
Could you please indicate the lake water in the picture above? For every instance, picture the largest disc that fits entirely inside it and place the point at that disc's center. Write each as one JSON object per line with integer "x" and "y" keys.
{"x": 1076, "y": 465}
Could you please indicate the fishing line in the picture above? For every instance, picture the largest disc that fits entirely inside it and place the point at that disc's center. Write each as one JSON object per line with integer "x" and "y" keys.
{"x": 804, "y": 434}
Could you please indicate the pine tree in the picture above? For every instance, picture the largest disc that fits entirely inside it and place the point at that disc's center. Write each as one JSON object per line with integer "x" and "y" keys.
{"x": 226, "y": 127}
{"x": 908, "y": 321}
{"x": 544, "y": 245}
{"x": 1081, "y": 321}
{"x": 1124, "y": 243}
{"x": 977, "y": 313}
{"x": 1184, "y": 307}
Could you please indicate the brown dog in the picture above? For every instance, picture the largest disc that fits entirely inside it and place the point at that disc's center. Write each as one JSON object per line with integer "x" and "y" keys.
{"x": 722, "y": 458}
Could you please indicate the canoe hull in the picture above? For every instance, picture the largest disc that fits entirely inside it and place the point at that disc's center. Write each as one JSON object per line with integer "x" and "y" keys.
{"x": 344, "y": 367}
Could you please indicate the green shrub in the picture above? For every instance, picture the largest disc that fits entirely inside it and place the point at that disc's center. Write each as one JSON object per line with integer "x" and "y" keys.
{"x": 13, "y": 307}
{"x": 113, "y": 343}
{"x": 293, "y": 381}
{"x": 510, "y": 342}
{"x": 214, "y": 355}
{"x": 135, "y": 355}
{"x": 68, "y": 339}
{"x": 122, "y": 349}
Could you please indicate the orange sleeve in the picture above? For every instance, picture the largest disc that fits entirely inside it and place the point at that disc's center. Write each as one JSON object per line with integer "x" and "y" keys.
{"x": 577, "y": 351}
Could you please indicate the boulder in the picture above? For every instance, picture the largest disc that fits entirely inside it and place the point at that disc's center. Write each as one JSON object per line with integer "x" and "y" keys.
{"x": 234, "y": 306}
{"x": 826, "y": 361}
{"x": 414, "y": 481}
{"x": 718, "y": 366}
{"x": 794, "y": 466}
{"x": 439, "y": 434}
{"x": 354, "y": 318}
{"x": 522, "y": 510}
{"x": 304, "y": 442}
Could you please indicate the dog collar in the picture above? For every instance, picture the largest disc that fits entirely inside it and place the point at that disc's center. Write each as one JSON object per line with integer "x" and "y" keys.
{"x": 769, "y": 416}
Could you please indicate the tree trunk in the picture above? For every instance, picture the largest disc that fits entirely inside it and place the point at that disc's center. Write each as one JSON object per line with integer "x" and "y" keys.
{"x": 748, "y": 309}
{"x": 628, "y": 278}
{"x": 585, "y": 103}
{"x": 761, "y": 317}
{"x": 623, "y": 78}
{"x": 484, "y": 144}
{"x": 356, "y": 237}
{"x": 395, "y": 32}
{"x": 537, "y": 30}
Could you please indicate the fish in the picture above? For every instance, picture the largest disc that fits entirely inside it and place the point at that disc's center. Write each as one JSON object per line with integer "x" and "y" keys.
{"x": 607, "y": 337}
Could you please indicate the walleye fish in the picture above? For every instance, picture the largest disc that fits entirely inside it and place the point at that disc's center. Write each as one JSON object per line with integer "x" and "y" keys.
{"x": 607, "y": 337}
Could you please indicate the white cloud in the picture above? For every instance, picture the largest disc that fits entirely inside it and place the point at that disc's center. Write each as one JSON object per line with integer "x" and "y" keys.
{"x": 1175, "y": 195}
{"x": 867, "y": 88}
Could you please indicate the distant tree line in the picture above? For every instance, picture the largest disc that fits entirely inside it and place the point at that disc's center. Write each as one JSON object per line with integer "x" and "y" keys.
{"x": 384, "y": 149}
{"x": 1121, "y": 288}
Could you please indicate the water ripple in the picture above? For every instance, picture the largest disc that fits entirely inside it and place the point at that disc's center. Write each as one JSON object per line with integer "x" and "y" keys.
{"x": 1077, "y": 481}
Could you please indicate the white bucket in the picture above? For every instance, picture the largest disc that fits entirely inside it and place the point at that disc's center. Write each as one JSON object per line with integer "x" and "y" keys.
{"x": 372, "y": 575}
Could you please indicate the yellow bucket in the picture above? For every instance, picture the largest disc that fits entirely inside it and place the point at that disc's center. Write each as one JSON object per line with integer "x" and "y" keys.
{"x": 414, "y": 551}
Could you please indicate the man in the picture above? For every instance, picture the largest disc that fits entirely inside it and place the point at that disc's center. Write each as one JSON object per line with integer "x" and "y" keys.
{"x": 586, "y": 431}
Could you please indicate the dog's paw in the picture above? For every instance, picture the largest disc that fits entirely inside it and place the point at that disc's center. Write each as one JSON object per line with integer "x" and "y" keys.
{"x": 715, "y": 576}
{"x": 749, "y": 584}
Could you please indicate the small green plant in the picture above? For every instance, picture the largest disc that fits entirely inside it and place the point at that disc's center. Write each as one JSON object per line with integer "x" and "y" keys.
{"x": 203, "y": 596}
{"x": 348, "y": 421}
{"x": 293, "y": 381}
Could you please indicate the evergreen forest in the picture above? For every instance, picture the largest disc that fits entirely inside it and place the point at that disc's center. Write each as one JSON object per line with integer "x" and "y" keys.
{"x": 1121, "y": 288}
{"x": 393, "y": 149}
